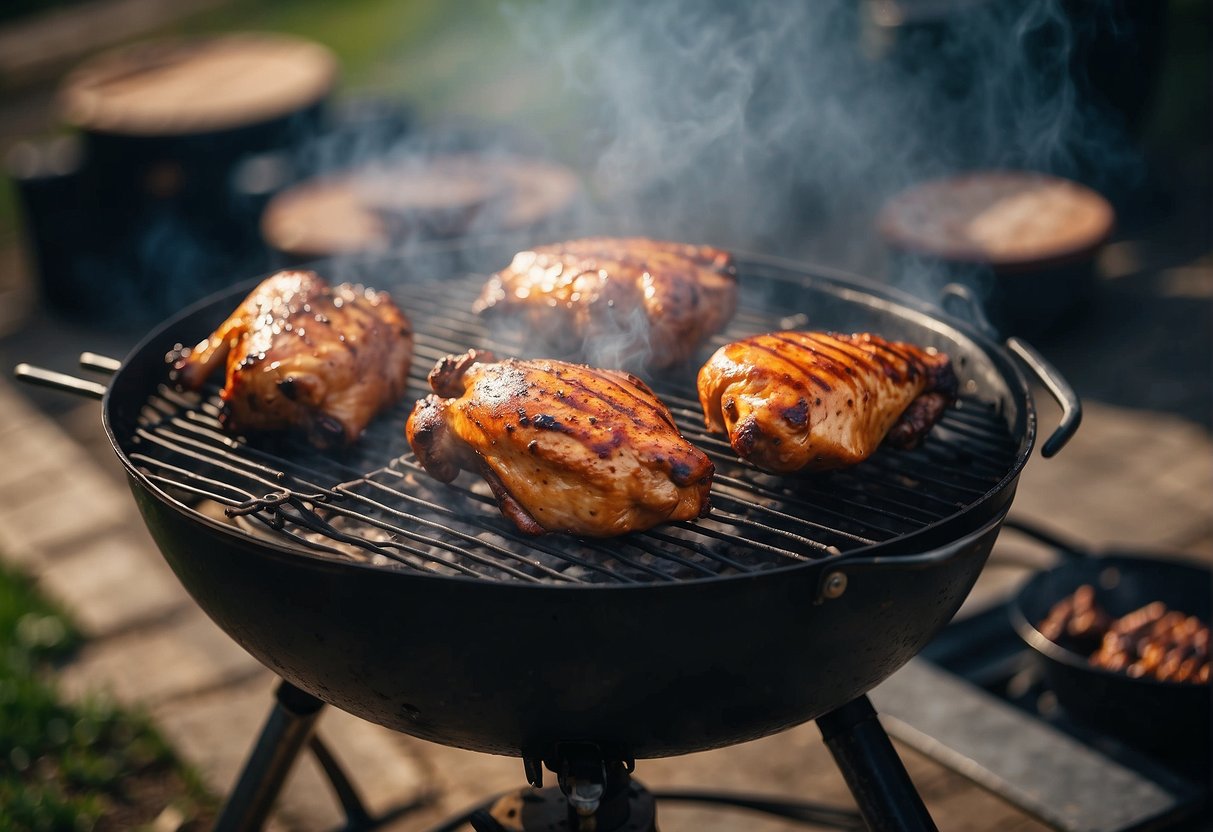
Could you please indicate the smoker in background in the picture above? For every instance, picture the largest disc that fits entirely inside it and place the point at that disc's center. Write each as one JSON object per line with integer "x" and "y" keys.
{"x": 386, "y": 204}
{"x": 135, "y": 214}
{"x": 1024, "y": 242}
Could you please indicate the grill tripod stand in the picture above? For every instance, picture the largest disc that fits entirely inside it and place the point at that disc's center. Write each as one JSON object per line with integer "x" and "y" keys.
{"x": 593, "y": 793}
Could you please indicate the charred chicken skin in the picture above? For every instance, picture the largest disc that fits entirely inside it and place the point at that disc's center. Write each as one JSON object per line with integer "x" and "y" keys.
{"x": 564, "y": 447}
{"x": 653, "y": 302}
{"x": 301, "y": 355}
{"x": 814, "y": 401}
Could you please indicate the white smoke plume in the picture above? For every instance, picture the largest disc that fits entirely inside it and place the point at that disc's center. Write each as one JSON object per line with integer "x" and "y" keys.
{"x": 758, "y": 125}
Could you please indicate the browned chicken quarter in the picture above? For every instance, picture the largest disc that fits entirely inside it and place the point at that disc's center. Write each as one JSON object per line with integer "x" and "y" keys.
{"x": 301, "y": 355}
{"x": 564, "y": 447}
{"x": 653, "y": 302}
{"x": 814, "y": 401}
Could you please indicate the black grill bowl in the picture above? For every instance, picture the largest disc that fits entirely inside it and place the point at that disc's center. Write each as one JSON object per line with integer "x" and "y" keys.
{"x": 644, "y": 669}
{"x": 506, "y": 668}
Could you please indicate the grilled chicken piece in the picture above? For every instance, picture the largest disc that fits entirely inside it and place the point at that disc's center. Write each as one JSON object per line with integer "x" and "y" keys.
{"x": 564, "y": 447}
{"x": 814, "y": 401}
{"x": 302, "y": 355}
{"x": 627, "y": 302}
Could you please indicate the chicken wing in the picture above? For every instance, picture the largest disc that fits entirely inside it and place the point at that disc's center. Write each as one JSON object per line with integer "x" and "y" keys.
{"x": 626, "y": 302}
{"x": 813, "y": 401}
{"x": 564, "y": 447}
{"x": 302, "y": 355}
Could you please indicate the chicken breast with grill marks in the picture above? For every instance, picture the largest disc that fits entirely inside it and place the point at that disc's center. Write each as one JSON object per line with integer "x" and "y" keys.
{"x": 813, "y": 401}
{"x": 303, "y": 356}
{"x": 651, "y": 303}
{"x": 564, "y": 447}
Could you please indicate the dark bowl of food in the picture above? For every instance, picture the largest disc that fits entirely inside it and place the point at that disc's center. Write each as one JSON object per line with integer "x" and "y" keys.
{"x": 1122, "y": 640}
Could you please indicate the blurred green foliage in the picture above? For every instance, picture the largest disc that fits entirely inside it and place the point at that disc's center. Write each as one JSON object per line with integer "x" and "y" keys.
{"x": 68, "y": 766}
{"x": 443, "y": 59}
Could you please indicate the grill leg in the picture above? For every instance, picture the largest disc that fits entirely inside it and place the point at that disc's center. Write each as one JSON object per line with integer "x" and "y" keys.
{"x": 875, "y": 774}
{"x": 287, "y": 730}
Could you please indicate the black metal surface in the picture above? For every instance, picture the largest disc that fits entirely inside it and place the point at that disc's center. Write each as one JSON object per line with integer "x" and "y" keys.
{"x": 626, "y": 807}
{"x": 285, "y": 733}
{"x": 887, "y": 798}
{"x": 662, "y": 659}
{"x": 287, "y": 730}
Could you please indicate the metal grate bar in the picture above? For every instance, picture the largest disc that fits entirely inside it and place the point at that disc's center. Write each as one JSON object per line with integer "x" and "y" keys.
{"x": 756, "y": 543}
{"x": 315, "y": 545}
{"x": 184, "y": 481}
{"x": 186, "y": 478}
{"x": 395, "y": 549}
{"x": 809, "y": 499}
{"x": 599, "y": 548}
{"x": 460, "y": 551}
{"x": 722, "y": 496}
{"x": 198, "y": 451}
{"x": 702, "y": 550}
{"x": 504, "y": 531}
{"x": 179, "y": 443}
{"x": 441, "y": 528}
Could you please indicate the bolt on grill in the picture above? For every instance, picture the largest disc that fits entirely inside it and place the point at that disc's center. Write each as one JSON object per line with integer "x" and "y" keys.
{"x": 397, "y": 517}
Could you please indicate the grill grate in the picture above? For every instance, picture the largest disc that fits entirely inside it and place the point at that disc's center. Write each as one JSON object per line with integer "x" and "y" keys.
{"x": 398, "y": 517}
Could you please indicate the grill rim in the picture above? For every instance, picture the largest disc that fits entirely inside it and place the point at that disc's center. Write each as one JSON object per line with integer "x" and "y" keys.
{"x": 844, "y": 286}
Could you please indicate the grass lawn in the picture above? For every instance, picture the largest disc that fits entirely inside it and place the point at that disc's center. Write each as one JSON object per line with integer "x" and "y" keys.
{"x": 76, "y": 766}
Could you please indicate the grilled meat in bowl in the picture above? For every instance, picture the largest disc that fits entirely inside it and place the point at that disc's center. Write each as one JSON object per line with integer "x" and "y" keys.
{"x": 564, "y": 447}
{"x": 653, "y": 302}
{"x": 301, "y": 355}
{"x": 813, "y": 401}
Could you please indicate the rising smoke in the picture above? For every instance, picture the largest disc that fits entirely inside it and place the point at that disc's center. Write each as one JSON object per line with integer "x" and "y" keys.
{"x": 752, "y": 125}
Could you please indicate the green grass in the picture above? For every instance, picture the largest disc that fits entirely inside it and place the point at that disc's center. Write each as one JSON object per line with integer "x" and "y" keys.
{"x": 443, "y": 59}
{"x": 74, "y": 766}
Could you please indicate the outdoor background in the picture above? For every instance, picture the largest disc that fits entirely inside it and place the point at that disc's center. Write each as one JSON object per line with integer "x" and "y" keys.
{"x": 1141, "y": 356}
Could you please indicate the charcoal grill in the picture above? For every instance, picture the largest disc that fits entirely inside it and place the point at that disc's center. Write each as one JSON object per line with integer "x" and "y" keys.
{"x": 367, "y": 585}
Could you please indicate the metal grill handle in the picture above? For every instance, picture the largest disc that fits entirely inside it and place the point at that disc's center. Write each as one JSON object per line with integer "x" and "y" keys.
{"x": 100, "y": 363}
{"x": 976, "y": 311}
{"x": 1054, "y": 382}
{"x": 1058, "y": 387}
{"x": 59, "y": 381}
